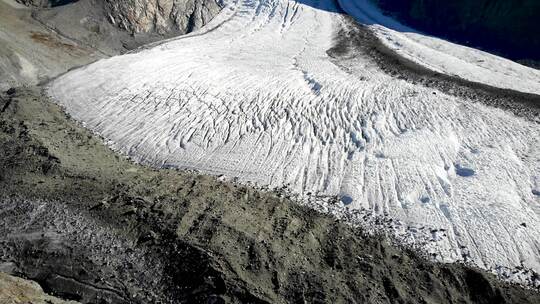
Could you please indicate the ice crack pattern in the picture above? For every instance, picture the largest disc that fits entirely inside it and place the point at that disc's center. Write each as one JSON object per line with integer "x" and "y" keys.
{"x": 254, "y": 95}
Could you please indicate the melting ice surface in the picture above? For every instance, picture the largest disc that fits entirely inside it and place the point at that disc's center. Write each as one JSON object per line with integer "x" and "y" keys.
{"x": 254, "y": 95}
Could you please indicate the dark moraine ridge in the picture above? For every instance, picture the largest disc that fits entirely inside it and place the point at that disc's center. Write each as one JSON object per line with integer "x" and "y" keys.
{"x": 355, "y": 39}
{"x": 507, "y": 28}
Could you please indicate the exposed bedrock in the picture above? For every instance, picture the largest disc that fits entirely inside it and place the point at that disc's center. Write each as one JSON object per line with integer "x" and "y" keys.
{"x": 116, "y": 26}
{"x": 504, "y": 27}
{"x": 142, "y": 16}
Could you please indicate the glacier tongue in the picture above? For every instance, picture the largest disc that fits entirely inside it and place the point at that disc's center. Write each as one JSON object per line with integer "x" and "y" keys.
{"x": 254, "y": 95}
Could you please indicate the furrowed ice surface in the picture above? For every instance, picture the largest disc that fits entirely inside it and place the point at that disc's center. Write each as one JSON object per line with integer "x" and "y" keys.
{"x": 254, "y": 95}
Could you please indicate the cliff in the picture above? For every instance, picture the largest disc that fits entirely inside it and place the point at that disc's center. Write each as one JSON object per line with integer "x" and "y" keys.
{"x": 162, "y": 16}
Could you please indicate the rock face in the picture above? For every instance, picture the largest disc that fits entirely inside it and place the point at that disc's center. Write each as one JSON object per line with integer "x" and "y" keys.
{"x": 504, "y": 27}
{"x": 162, "y": 16}
{"x": 148, "y": 16}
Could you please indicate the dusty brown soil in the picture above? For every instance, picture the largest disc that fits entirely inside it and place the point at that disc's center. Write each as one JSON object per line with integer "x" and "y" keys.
{"x": 52, "y": 42}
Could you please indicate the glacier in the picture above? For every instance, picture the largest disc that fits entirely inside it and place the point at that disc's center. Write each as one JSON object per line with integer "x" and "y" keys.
{"x": 256, "y": 96}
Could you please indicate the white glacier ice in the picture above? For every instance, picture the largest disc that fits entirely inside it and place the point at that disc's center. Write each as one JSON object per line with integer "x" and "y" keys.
{"x": 254, "y": 95}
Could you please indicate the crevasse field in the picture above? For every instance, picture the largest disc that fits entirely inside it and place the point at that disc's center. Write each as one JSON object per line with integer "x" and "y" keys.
{"x": 255, "y": 96}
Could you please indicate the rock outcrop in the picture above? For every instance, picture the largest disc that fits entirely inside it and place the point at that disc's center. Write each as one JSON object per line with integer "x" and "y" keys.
{"x": 147, "y": 16}
{"x": 161, "y": 16}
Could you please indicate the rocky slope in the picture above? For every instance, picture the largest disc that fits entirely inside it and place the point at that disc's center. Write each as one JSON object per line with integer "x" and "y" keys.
{"x": 31, "y": 53}
{"x": 48, "y": 39}
{"x": 145, "y": 16}
{"x": 116, "y": 26}
{"x": 504, "y": 27}
{"x": 15, "y": 290}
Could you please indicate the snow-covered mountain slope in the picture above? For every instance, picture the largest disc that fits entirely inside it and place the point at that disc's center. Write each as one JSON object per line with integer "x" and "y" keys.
{"x": 255, "y": 95}
{"x": 442, "y": 56}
